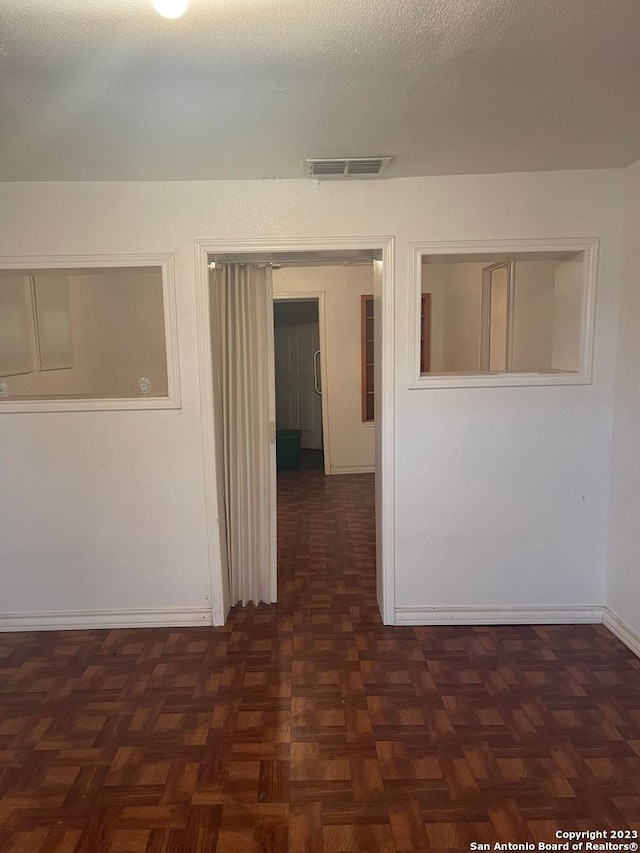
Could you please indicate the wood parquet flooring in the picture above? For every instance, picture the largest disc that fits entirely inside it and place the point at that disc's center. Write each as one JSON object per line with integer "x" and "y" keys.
{"x": 309, "y": 727}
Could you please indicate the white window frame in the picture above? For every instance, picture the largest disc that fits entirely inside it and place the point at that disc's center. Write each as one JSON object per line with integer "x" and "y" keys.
{"x": 584, "y": 375}
{"x": 165, "y": 262}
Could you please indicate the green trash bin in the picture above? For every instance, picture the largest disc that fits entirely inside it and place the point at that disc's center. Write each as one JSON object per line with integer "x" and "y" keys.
{"x": 288, "y": 448}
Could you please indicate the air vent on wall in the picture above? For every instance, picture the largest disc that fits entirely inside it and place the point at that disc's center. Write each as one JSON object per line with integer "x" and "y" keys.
{"x": 347, "y": 167}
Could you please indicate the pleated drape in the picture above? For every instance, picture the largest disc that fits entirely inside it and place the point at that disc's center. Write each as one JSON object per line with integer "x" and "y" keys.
{"x": 240, "y": 303}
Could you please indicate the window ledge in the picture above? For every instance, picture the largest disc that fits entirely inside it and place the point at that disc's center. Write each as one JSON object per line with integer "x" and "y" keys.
{"x": 500, "y": 380}
{"x": 86, "y": 405}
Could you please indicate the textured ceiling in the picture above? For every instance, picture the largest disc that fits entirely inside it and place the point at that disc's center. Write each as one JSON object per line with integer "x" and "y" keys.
{"x": 108, "y": 90}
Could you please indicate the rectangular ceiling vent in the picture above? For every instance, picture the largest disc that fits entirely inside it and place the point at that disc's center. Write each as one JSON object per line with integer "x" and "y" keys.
{"x": 347, "y": 167}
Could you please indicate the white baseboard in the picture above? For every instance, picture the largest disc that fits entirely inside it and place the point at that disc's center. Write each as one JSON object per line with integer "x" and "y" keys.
{"x": 60, "y": 620}
{"x": 353, "y": 469}
{"x": 170, "y": 618}
{"x": 560, "y": 615}
{"x": 623, "y": 631}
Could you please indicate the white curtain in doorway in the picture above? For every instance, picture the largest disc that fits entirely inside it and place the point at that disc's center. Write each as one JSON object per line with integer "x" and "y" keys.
{"x": 242, "y": 338}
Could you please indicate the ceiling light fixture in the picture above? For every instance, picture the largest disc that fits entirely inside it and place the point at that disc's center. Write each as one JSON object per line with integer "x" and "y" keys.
{"x": 170, "y": 8}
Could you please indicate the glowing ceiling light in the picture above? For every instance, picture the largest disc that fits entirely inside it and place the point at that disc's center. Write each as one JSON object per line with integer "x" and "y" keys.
{"x": 170, "y": 8}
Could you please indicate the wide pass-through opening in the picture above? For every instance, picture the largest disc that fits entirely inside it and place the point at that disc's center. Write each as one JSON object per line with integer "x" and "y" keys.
{"x": 295, "y": 461}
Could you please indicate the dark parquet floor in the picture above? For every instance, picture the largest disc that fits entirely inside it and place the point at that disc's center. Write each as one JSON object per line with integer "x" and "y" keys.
{"x": 310, "y": 727}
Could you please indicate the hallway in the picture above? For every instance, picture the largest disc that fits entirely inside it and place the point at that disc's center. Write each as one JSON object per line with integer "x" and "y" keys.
{"x": 326, "y": 547}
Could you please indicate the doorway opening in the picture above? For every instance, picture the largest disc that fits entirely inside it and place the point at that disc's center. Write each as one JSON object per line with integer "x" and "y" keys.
{"x": 299, "y": 300}
{"x": 298, "y": 381}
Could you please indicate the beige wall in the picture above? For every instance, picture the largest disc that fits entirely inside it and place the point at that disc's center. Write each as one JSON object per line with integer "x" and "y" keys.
{"x": 138, "y": 319}
{"x": 117, "y": 329}
{"x": 456, "y": 309}
{"x": 434, "y": 280}
{"x": 533, "y": 315}
{"x": 16, "y": 328}
{"x": 91, "y": 374}
{"x": 351, "y": 442}
{"x": 546, "y": 315}
{"x": 567, "y": 310}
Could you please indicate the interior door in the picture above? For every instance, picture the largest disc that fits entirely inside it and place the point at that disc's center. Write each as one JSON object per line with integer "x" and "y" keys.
{"x": 241, "y": 312}
{"x": 298, "y": 403}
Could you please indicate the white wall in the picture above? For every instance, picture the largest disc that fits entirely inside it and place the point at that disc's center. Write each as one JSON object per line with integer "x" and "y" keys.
{"x": 351, "y": 442}
{"x": 501, "y": 493}
{"x": 623, "y": 589}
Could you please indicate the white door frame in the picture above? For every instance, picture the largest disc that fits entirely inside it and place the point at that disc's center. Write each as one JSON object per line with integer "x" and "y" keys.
{"x": 318, "y": 295}
{"x": 385, "y": 462}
